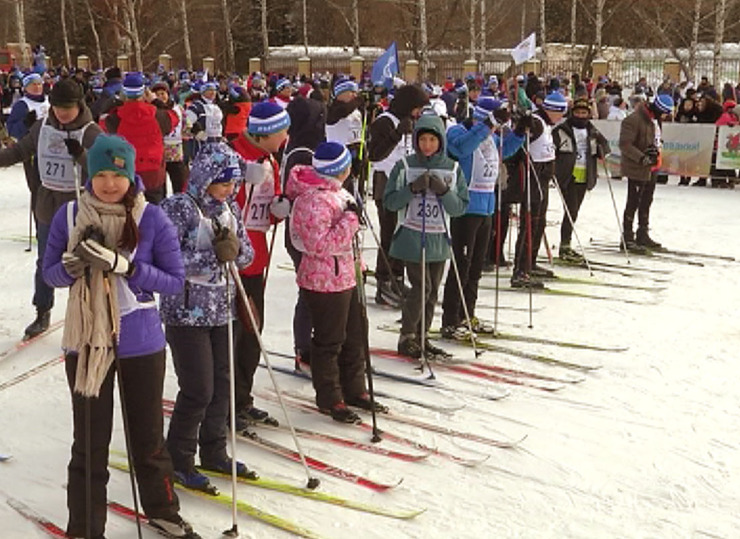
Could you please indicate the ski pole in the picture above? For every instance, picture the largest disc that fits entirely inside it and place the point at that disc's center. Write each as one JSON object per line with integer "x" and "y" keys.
{"x": 529, "y": 229}
{"x": 30, "y": 224}
{"x": 616, "y": 211}
{"x": 362, "y": 298}
{"x": 313, "y": 482}
{"x": 423, "y": 334}
{"x": 455, "y": 268}
{"x": 234, "y": 531}
{"x": 122, "y": 396}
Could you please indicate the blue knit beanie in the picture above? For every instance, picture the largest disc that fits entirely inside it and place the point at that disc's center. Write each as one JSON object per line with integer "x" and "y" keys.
{"x": 31, "y": 78}
{"x": 267, "y": 118}
{"x": 281, "y": 84}
{"x": 664, "y": 103}
{"x": 485, "y": 106}
{"x": 111, "y": 152}
{"x": 331, "y": 158}
{"x": 344, "y": 84}
{"x": 133, "y": 85}
{"x": 555, "y": 102}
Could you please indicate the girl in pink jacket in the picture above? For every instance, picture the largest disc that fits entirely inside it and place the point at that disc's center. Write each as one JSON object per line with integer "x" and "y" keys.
{"x": 324, "y": 221}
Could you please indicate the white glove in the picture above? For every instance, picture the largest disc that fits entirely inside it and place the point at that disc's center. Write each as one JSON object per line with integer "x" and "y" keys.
{"x": 280, "y": 206}
{"x": 201, "y": 136}
{"x": 73, "y": 265}
{"x": 100, "y": 257}
{"x": 257, "y": 173}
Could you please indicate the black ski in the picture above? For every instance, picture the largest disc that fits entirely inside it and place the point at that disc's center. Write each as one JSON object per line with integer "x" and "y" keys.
{"x": 676, "y": 252}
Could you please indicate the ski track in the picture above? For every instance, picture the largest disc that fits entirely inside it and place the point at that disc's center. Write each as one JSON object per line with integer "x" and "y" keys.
{"x": 645, "y": 447}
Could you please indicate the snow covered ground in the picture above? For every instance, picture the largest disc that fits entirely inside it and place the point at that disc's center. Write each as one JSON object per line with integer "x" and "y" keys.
{"x": 647, "y": 446}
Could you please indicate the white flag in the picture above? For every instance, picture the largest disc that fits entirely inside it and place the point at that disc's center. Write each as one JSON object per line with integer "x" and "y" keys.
{"x": 525, "y": 50}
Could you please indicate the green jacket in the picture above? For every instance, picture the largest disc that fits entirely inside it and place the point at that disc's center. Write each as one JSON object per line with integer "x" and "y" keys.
{"x": 406, "y": 243}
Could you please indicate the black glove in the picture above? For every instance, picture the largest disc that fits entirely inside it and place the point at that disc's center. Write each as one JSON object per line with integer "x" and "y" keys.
{"x": 356, "y": 209}
{"x": 196, "y": 129}
{"x": 488, "y": 122}
{"x": 160, "y": 104}
{"x": 229, "y": 108}
{"x": 226, "y": 245}
{"x": 438, "y": 185}
{"x": 74, "y": 147}
{"x": 420, "y": 184}
{"x": 405, "y": 126}
{"x": 650, "y": 156}
{"x": 523, "y": 122}
{"x": 502, "y": 114}
{"x": 30, "y": 118}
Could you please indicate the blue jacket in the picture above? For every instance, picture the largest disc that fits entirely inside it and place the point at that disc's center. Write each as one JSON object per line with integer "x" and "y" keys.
{"x": 158, "y": 269}
{"x": 16, "y": 122}
{"x": 461, "y": 145}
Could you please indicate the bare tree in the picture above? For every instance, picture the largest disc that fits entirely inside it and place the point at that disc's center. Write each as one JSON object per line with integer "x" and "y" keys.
{"x": 21, "y": 22}
{"x": 182, "y": 8}
{"x": 524, "y": 20}
{"x": 599, "y": 22}
{"x": 305, "y": 28}
{"x": 543, "y": 29}
{"x": 423, "y": 38}
{"x": 473, "y": 9}
{"x": 719, "y": 33}
{"x": 355, "y": 28}
{"x": 482, "y": 30}
{"x": 263, "y": 29}
{"x": 573, "y": 15}
{"x": 65, "y": 37}
{"x": 96, "y": 37}
{"x": 229, "y": 36}
{"x": 694, "y": 39}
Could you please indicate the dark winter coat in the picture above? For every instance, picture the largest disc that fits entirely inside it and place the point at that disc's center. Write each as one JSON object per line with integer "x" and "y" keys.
{"x": 384, "y": 136}
{"x": 48, "y": 201}
{"x": 566, "y": 153}
{"x": 159, "y": 269}
{"x": 636, "y": 134}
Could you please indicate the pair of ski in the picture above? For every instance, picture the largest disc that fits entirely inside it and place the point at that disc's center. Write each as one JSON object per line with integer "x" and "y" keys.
{"x": 484, "y": 344}
{"x": 666, "y": 251}
{"x": 25, "y": 342}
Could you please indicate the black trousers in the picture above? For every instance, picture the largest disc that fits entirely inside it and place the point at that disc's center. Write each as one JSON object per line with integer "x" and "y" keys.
{"x": 247, "y": 349}
{"x": 337, "y": 346}
{"x": 387, "y": 221}
{"x": 470, "y": 238}
{"x": 639, "y": 199}
{"x": 573, "y": 195}
{"x": 142, "y": 379}
{"x": 499, "y": 236}
{"x": 178, "y": 173}
{"x": 538, "y": 197}
{"x": 302, "y": 326}
{"x": 201, "y": 359}
{"x": 412, "y": 302}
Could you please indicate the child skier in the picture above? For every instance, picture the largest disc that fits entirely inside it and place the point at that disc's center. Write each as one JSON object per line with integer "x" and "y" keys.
{"x": 196, "y": 320}
{"x": 113, "y": 235}
{"x": 427, "y": 183}
{"x": 324, "y": 223}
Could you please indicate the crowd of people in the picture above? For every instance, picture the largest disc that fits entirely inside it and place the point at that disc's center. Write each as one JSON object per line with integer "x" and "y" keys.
{"x": 444, "y": 164}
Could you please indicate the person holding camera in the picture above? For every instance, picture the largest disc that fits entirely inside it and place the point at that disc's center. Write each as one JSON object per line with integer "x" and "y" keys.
{"x": 115, "y": 251}
{"x": 640, "y": 144}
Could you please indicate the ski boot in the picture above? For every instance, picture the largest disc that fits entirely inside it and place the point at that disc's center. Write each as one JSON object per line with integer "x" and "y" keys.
{"x": 523, "y": 280}
{"x": 340, "y": 413}
{"x": 458, "y": 332}
{"x": 387, "y": 295}
{"x": 408, "y": 345}
{"x": 252, "y": 416}
{"x": 480, "y": 327}
{"x": 435, "y": 353}
{"x": 644, "y": 240}
{"x": 195, "y": 480}
{"x": 224, "y": 466}
{"x": 39, "y": 325}
{"x": 541, "y": 272}
{"x": 363, "y": 402}
{"x": 569, "y": 254}
{"x": 174, "y": 527}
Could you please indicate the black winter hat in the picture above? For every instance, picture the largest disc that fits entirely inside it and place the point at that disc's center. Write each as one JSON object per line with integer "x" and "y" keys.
{"x": 66, "y": 94}
{"x": 113, "y": 73}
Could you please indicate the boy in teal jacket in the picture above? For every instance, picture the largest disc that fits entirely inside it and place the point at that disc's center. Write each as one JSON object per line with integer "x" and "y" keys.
{"x": 424, "y": 188}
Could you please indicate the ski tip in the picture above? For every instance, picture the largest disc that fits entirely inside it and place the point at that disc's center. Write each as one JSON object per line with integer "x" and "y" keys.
{"x": 5, "y": 458}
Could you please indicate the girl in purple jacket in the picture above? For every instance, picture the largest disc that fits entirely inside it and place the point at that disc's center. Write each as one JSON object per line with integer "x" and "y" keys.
{"x": 111, "y": 235}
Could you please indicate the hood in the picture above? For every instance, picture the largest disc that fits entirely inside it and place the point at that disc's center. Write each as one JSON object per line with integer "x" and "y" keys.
{"x": 303, "y": 179}
{"x": 307, "y": 123}
{"x": 406, "y": 99}
{"x": 430, "y": 122}
{"x": 212, "y": 159}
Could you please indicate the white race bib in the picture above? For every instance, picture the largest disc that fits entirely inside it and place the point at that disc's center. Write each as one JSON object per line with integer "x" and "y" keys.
{"x": 485, "y": 167}
{"x": 256, "y": 216}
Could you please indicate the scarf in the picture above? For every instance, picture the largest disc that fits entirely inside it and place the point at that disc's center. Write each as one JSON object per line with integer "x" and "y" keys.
{"x": 91, "y": 324}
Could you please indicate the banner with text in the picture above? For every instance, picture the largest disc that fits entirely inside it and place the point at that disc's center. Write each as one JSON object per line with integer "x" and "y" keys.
{"x": 728, "y": 148}
{"x": 687, "y": 149}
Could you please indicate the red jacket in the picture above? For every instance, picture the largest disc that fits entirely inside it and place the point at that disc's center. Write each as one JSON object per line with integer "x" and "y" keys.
{"x": 236, "y": 123}
{"x": 246, "y": 193}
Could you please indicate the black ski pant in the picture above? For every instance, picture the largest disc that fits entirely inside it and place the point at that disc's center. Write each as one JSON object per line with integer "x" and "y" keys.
{"x": 387, "y": 221}
{"x": 302, "y": 326}
{"x": 201, "y": 358}
{"x": 573, "y": 195}
{"x": 470, "y": 238}
{"x": 412, "y": 302}
{"x": 178, "y": 173}
{"x": 142, "y": 379}
{"x": 537, "y": 192}
{"x": 337, "y": 347}
{"x": 247, "y": 348}
{"x": 499, "y": 230}
{"x": 639, "y": 199}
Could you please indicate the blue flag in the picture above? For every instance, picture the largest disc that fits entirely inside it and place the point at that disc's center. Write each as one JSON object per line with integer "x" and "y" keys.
{"x": 385, "y": 67}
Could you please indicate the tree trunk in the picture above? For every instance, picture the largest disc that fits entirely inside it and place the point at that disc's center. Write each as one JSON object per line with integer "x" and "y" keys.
{"x": 96, "y": 37}
{"x": 482, "y": 30}
{"x": 305, "y": 28}
{"x": 133, "y": 26}
{"x": 355, "y": 28}
{"x": 21, "y": 23}
{"x": 524, "y": 20}
{"x": 229, "y": 37}
{"x": 599, "y": 22}
{"x": 182, "y": 8}
{"x": 263, "y": 28}
{"x": 473, "y": 9}
{"x": 543, "y": 29}
{"x": 573, "y": 15}
{"x": 719, "y": 34}
{"x": 65, "y": 38}
{"x": 691, "y": 75}
{"x": 423, "y": 38}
